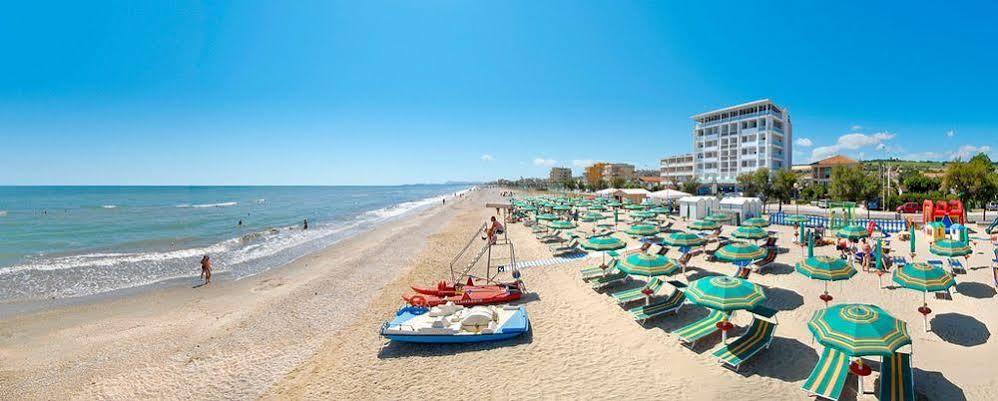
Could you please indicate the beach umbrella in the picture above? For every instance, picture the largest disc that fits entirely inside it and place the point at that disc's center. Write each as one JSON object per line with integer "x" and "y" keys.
{"x": 740, "y": 252}
{"x": 528, "y": 208}
{"x": 911, "y": 238}
{"x": 644, "y": 264}
{"x": 603, "y": 244}
{"x": 810, "y": 244}
{"x": 726, "y": 294}
{"x": 852, "y": 232}
{"x": 643, "y": 214}
{"x": 950, "y": 248}
{"x": 561, "y": 207}
{"x": 703, "y": 225}
{"x": 591, "y": 217}
{"x": 645, "y": 230}
{"x": 750, "y": 232}
{"x": 718, "y": 217}
{"x": 634, "y": 207}
{"x": 598, "y": 208}
{"x": 659, "y": 210}
{"x": 926, "y": 278}
{"x": 859, "y": 330}
{"x": 561, "y": 225}
{"x": 756, "y": 222}
{"x": 795, "y": 219}
{"x": 825, "y": 268}
{"x": 683, "y": 240}
{"x": 547, "y": 216}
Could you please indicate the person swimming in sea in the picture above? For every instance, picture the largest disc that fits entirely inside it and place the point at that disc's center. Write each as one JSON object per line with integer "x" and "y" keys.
{"x": 206, "y": 269}
{"x": 305, "y": 226}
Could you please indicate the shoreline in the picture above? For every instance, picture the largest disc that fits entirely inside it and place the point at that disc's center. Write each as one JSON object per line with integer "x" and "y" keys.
{"x": 10, "y": 309}
{"x": 182, "y": 341}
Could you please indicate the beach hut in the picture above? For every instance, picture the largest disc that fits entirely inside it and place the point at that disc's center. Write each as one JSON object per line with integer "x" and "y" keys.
{"x": 635, "y": 195}
{"x": 742, "y": 208}
{"x": 606, "y": 193}
{"x": 667, "y": 196}
{"x": 697, "y": 207}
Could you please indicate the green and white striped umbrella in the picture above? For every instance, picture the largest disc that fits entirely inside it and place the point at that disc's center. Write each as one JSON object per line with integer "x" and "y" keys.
{"x": 683, "y": 239}
{"x": 643, "y": 264}
{"x": 852, "y": 232}
{"x": 603, "y": 243}
{"x": 561, "y": 207}
{"x": 561, "y": 225}
{"x": 739, "y": 252}
{"x": 634, "y": 207}
{"x": 750, "y": 232}
{"x": 703, "y": 225}
{"x": 591, "y": 217}
{"x": 642, "y": 214}
{"x": 826, "y": 268}
{"x": 755, "y": 222}
{"x": 859, "y": 330}
{"x": 950, "y": 248}
{"x": 923, "y": 277}
{"x": 718, "y": 217}
{"x": 548, "y": 216}
{"x": 725, "y": 293}
{"x": 642, "y": 229}
{"x": 795, "y": 219}
{"x": 659, "y": 210}
{"x": 597, "y": 208}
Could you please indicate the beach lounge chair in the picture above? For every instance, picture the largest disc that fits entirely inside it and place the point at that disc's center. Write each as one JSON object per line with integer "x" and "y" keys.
{"x": 571, "y": 247}
{"x": 636, "y": 294}
{"x": 592, "y": 272}
{"x": 665, "y": 227}
{"x": 955, "y": 266}
{"x": 770, "y": 243}
{"x": 609, "y": 279}
{"x": 757, "y": 338}
{"x": 663, "y": 251}
{"x": 897, "y": 381}
{"x": 552, "y": 237}
{"x": 743, "y": 273}
{"x": 710, "y": 252}
{"x": 693, "y": 332}
{"x": 672, "y": 303}
{"x": 762, "y": 263}
{"x": 829, "y": 375}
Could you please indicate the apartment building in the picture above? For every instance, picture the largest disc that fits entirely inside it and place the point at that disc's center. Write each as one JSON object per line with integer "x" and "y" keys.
{"x": 559, "y": 175}
{"x": 740, "y": 139}
{"x": 678, "y": 168}
{"x": 614, "y": 171}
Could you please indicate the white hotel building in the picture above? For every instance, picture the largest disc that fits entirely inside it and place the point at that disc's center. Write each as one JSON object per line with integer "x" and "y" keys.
{"x": 740, "y": 139}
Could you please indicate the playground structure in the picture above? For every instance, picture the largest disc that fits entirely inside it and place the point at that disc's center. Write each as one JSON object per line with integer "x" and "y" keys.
{"x": 944, "y": 212}
{"x": 840, "y": 214}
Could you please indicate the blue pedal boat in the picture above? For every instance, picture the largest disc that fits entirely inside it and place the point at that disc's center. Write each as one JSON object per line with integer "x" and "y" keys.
{"x": 452, "y": 324}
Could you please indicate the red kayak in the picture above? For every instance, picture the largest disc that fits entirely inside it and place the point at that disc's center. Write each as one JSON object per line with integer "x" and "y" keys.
{"x": 469, "y": 296}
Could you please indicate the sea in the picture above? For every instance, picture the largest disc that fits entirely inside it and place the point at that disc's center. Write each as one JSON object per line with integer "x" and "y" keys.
{"x": 64, "y": 242}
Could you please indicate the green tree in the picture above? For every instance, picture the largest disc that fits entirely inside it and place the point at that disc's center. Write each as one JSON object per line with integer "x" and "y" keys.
{"x": 851, "y": 183}
{"x": 601, "y": 184}
{"x": 746, "y": 182}
{"x": 782, "y": 186}
{"x": 973, "y": 182}
{"x": 915, "y": 181}
{"x": 692, "y": 186}
{"x": 617, "y": 182}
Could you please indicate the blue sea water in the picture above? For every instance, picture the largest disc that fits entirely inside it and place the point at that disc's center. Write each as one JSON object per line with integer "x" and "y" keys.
{"x": 62, "y": 242}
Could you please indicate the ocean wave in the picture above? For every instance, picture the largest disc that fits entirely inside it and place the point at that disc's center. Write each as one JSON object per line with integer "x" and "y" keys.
{"x": 109, "y": 206}
{"x": 204, "y": 205}
{"x": 405, "y": 207}
{"x": 3, "y": 213}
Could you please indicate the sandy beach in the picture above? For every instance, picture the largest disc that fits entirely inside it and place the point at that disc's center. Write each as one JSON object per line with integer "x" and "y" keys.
{"x": 309, "y": 331}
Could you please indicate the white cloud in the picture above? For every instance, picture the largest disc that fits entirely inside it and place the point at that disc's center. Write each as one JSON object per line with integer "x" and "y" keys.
{"x": 964, "y": 152}
{"x": 540, "y": 161}
{"x": 856, "y": 127}
{"x": 487, "y": 158}
{"x": 582, "y": 163}
{"x": 950, "y": 133}
{"x": 852, "y": 141}
{"x": 967, "y": 151}
{"x": 804, "y": 142}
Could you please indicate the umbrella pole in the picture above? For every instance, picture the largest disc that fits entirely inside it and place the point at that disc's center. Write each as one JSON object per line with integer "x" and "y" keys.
{"x": 925, "y": 316}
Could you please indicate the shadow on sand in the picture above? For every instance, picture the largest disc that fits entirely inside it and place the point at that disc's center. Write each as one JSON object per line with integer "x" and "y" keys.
{"x": 975, "y": 290}
{"x": 787, "y": 359}
{"x": 698, "y": 273}
{"x": 782, "y": 299}
{"x": 935, "y": 386}
{"x": 960, "y": 329}
{"x": 778, "y": 268}
{"x": 395, "y": 349}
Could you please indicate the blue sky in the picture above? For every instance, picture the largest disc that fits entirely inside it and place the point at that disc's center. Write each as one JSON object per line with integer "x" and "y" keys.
{"x": 264, "y": 92}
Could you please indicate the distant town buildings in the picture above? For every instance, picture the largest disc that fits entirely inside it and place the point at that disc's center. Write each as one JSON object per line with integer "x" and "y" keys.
{"x": 820, "y": 172}
{"x": 594, "y": 173}
{"x": 677, "y": 169}
{"x": 741, "y": 139}
{"x": 618, "y": 171}
{"x": 559, "y": 174}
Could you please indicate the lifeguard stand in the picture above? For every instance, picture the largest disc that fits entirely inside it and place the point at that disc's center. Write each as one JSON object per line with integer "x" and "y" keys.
{"x": 501, "y": 254}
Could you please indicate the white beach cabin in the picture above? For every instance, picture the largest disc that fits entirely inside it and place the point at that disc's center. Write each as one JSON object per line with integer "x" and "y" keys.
{"x": 742, "y": 208}
{"x": 606, "y": 193}
{"x": 667, "y": 196}
{"x": 635, "y": 195}
{"x": 698, "y": 207}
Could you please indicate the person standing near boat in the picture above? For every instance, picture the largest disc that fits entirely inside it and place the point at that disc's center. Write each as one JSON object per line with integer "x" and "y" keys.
{"x": 206, "y": 269}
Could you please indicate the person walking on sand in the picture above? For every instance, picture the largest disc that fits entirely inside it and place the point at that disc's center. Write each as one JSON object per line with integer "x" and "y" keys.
{"x": 206, "y": 269}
